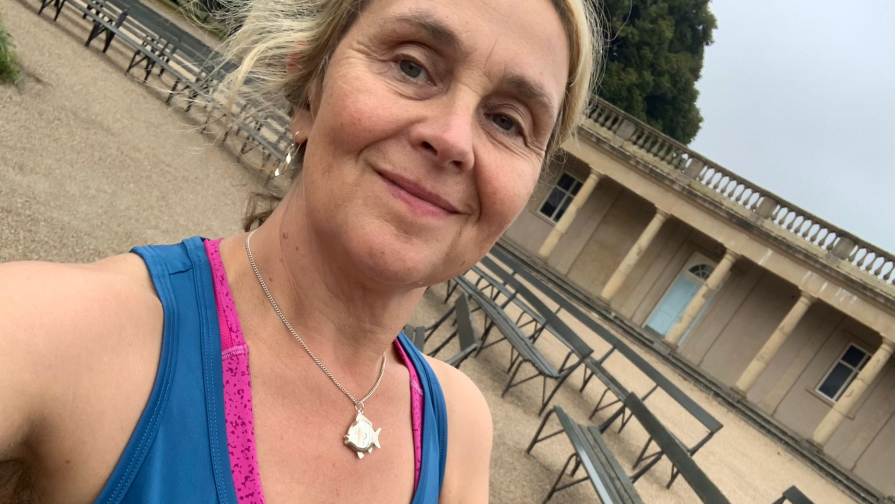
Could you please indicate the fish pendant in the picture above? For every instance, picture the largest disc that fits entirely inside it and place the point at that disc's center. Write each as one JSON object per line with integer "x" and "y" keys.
{"x": 361, "y": 437}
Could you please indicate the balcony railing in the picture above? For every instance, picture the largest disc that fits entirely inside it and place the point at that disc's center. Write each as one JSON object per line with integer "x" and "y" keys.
{"x": 809, "y": 231}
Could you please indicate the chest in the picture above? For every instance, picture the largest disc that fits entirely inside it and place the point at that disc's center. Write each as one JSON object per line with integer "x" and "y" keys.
{"x": 301, "y": 420}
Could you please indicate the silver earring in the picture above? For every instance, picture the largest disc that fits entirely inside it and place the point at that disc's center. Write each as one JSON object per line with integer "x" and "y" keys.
{"x": 291, "y": 152}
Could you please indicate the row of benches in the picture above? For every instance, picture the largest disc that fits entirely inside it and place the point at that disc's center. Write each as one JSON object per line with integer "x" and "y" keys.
{"x": 196, "y": 69}
{"x": 499, "y": 285}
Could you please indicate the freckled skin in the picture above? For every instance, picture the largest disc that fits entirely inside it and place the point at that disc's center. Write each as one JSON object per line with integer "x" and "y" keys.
{"x": 442, "y": 133}
{"x": 344, "y": 255}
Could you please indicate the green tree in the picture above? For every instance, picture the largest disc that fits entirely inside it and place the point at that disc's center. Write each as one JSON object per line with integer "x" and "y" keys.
{"x": 653, "y": 60}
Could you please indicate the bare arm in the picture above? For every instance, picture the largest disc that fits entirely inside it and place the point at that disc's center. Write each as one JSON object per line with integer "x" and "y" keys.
{"x": 470, "y": 434}
{"x": 73, "y": 340}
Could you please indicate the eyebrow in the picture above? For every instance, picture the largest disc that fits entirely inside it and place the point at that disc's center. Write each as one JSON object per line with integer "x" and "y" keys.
{"x": 447, "y": 38}
{"x": 531, "y": 92}
{"x": 442, "y": 34}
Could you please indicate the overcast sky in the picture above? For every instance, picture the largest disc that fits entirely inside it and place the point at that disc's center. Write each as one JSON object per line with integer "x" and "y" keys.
{"x": 798, "y": 96}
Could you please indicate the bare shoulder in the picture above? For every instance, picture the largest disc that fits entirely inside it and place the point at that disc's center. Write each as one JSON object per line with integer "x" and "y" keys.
{"x": 465, "y": 401}
{"x": 470, "y": 434}
{"x": 75, "y": 339}
{"x": 39, "y": 296}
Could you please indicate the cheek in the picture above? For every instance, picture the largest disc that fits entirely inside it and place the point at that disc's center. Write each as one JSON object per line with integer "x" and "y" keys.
{"x": 348, "y": 107}
{"x": 505, "y": 196}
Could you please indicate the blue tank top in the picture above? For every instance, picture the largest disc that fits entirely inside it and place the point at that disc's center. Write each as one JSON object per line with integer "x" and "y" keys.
{"x": 178, "y": 451}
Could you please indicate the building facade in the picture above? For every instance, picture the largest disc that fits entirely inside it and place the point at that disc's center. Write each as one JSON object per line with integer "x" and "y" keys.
{"x": 782, "y": 308}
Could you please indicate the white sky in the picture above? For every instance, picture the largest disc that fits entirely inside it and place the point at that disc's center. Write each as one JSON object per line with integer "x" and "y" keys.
{"x": 798, "y": 96}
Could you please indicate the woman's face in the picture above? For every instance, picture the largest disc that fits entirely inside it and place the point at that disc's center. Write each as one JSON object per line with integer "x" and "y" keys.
{"x": 429, "y": 130}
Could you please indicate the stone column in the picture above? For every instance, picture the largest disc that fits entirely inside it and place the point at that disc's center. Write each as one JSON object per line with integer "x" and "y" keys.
{"x": 767, "y": 352}
{"x": 702, "y": 296}
{"x": 633, "y": 255}
{"x": 569, "y": 216}
{"x": 853, "y": 393}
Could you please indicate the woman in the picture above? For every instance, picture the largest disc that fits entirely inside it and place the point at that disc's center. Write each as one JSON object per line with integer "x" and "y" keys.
{"x": 424, "y": 127}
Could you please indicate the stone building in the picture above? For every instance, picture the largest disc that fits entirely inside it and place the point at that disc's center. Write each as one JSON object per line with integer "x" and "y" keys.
{"x": 788, "y": 315}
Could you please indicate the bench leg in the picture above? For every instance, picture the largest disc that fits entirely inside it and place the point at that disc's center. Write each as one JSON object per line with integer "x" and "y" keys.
{"x": 546, "y": 402}
{"x": 434, "y": 327}
{"x": 609, "y": 421}
{"x": 191, "y": 100}
{"x": 556, "y": 486}
{"x": 600, "y": 406}
{"x": 512, "y": 377}
{"x": 94, "y": 32}
{"x": 449, "y": 290}
{"x": 537, "y": 439}
{"x": 173, "y": 90}
{"x": 625, "y": 419}
{"x": 109, "y": 36}
{"x": 559, "y": 478}
{"x": 653, "y": 460}
{"x": 587, "y": 377}
{"x": 59, "y": 5}
{"x": 443, "y": 344}
{"x": 575, "y": 467}
{"x": 46, "y": 3}
{"x": 674, "y": 475}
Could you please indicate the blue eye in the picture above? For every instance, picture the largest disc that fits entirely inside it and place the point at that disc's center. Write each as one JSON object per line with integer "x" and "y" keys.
{"x": 410, "y": 68}
{"x": 503, "y": 122}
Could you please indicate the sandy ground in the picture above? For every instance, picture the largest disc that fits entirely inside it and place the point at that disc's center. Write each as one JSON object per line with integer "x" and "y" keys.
{"x": 93, "y": 163}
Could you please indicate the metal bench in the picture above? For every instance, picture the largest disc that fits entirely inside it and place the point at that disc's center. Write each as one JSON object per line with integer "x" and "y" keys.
{"x": 610, "y": 481}
{"x": 793, "y": 495}
{"x": 469, "y": 341}
{"x": 522, "y": 350}
{"x": 594, "y": 366}
{"x": 414, "y": 333}
{"x": 494, "y": 289}
{"x": 551, "y": 322}
{"x": 670, "y": 447}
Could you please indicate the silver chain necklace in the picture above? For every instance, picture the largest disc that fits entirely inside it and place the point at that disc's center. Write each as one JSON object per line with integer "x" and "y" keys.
{"x": 361, "y": 437}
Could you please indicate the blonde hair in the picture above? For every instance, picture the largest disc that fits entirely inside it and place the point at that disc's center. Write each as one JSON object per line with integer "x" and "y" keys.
{"x": 285, "y": 45}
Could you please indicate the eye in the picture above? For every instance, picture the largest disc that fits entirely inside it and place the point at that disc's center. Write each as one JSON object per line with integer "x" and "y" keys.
{"x": 411, "y": 68}
{"x": 503, "y": 122}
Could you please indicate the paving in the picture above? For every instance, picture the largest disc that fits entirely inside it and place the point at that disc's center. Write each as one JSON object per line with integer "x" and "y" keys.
{"x": 93, "y": 163}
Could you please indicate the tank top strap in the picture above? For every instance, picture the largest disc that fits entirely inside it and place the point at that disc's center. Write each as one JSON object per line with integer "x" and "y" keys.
{"x": 435, "y": 432}
{"x": 178, "y": 450}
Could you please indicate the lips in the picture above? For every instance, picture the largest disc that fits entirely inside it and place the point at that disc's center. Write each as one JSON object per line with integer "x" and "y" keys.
{"x": 418, "y": 191}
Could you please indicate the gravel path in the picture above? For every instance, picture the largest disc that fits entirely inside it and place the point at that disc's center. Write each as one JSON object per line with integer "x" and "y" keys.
{"x": 93, "y": 163}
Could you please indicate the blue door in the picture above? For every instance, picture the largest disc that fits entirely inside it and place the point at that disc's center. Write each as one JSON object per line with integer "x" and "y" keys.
{"x": 672, "y": 306}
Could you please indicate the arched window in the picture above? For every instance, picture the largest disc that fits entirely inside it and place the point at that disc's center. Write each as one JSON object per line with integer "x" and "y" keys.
{"x": 702, "y": 271}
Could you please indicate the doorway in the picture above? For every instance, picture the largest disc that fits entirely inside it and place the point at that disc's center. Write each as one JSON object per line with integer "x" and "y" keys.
{"x": 684, "y": 288}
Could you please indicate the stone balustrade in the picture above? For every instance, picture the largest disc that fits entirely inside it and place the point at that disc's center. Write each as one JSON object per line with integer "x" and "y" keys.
{"x": 873, "y": 264}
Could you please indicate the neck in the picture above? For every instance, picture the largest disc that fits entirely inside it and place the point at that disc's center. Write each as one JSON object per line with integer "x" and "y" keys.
{"x": 347, "y": 319}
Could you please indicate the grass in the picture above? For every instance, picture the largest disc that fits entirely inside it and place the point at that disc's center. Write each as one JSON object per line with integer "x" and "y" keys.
{"x": 9, "y": 67}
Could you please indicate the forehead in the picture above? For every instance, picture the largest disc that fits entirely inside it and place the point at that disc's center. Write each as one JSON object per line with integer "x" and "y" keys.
{"x": 519, "y": 41}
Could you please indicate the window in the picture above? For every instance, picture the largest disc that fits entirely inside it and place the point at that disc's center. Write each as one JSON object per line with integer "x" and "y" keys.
{"x": 560, "y": 196}
{"x": 702, "y": 271}
{"x": 843, "y": 372}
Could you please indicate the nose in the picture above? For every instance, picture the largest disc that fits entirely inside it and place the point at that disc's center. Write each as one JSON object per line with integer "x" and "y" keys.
{"x": 446, "y": 134}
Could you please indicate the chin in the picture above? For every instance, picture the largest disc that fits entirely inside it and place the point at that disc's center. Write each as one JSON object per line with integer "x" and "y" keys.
{"x": 388, "y": 257}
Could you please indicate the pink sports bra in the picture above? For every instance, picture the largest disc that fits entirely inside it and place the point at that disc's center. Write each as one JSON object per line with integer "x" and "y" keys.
{"x": 238, "y": 391}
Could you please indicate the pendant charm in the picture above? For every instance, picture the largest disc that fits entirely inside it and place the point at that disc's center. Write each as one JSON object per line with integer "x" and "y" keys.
{"x": 361, "y": 437}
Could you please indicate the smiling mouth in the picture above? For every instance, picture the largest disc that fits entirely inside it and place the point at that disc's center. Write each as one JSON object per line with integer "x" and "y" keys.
{"x": 416, "y": 196}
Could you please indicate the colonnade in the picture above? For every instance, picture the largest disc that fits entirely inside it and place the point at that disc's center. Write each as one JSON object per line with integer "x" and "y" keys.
{"x": 853, "y": 393}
